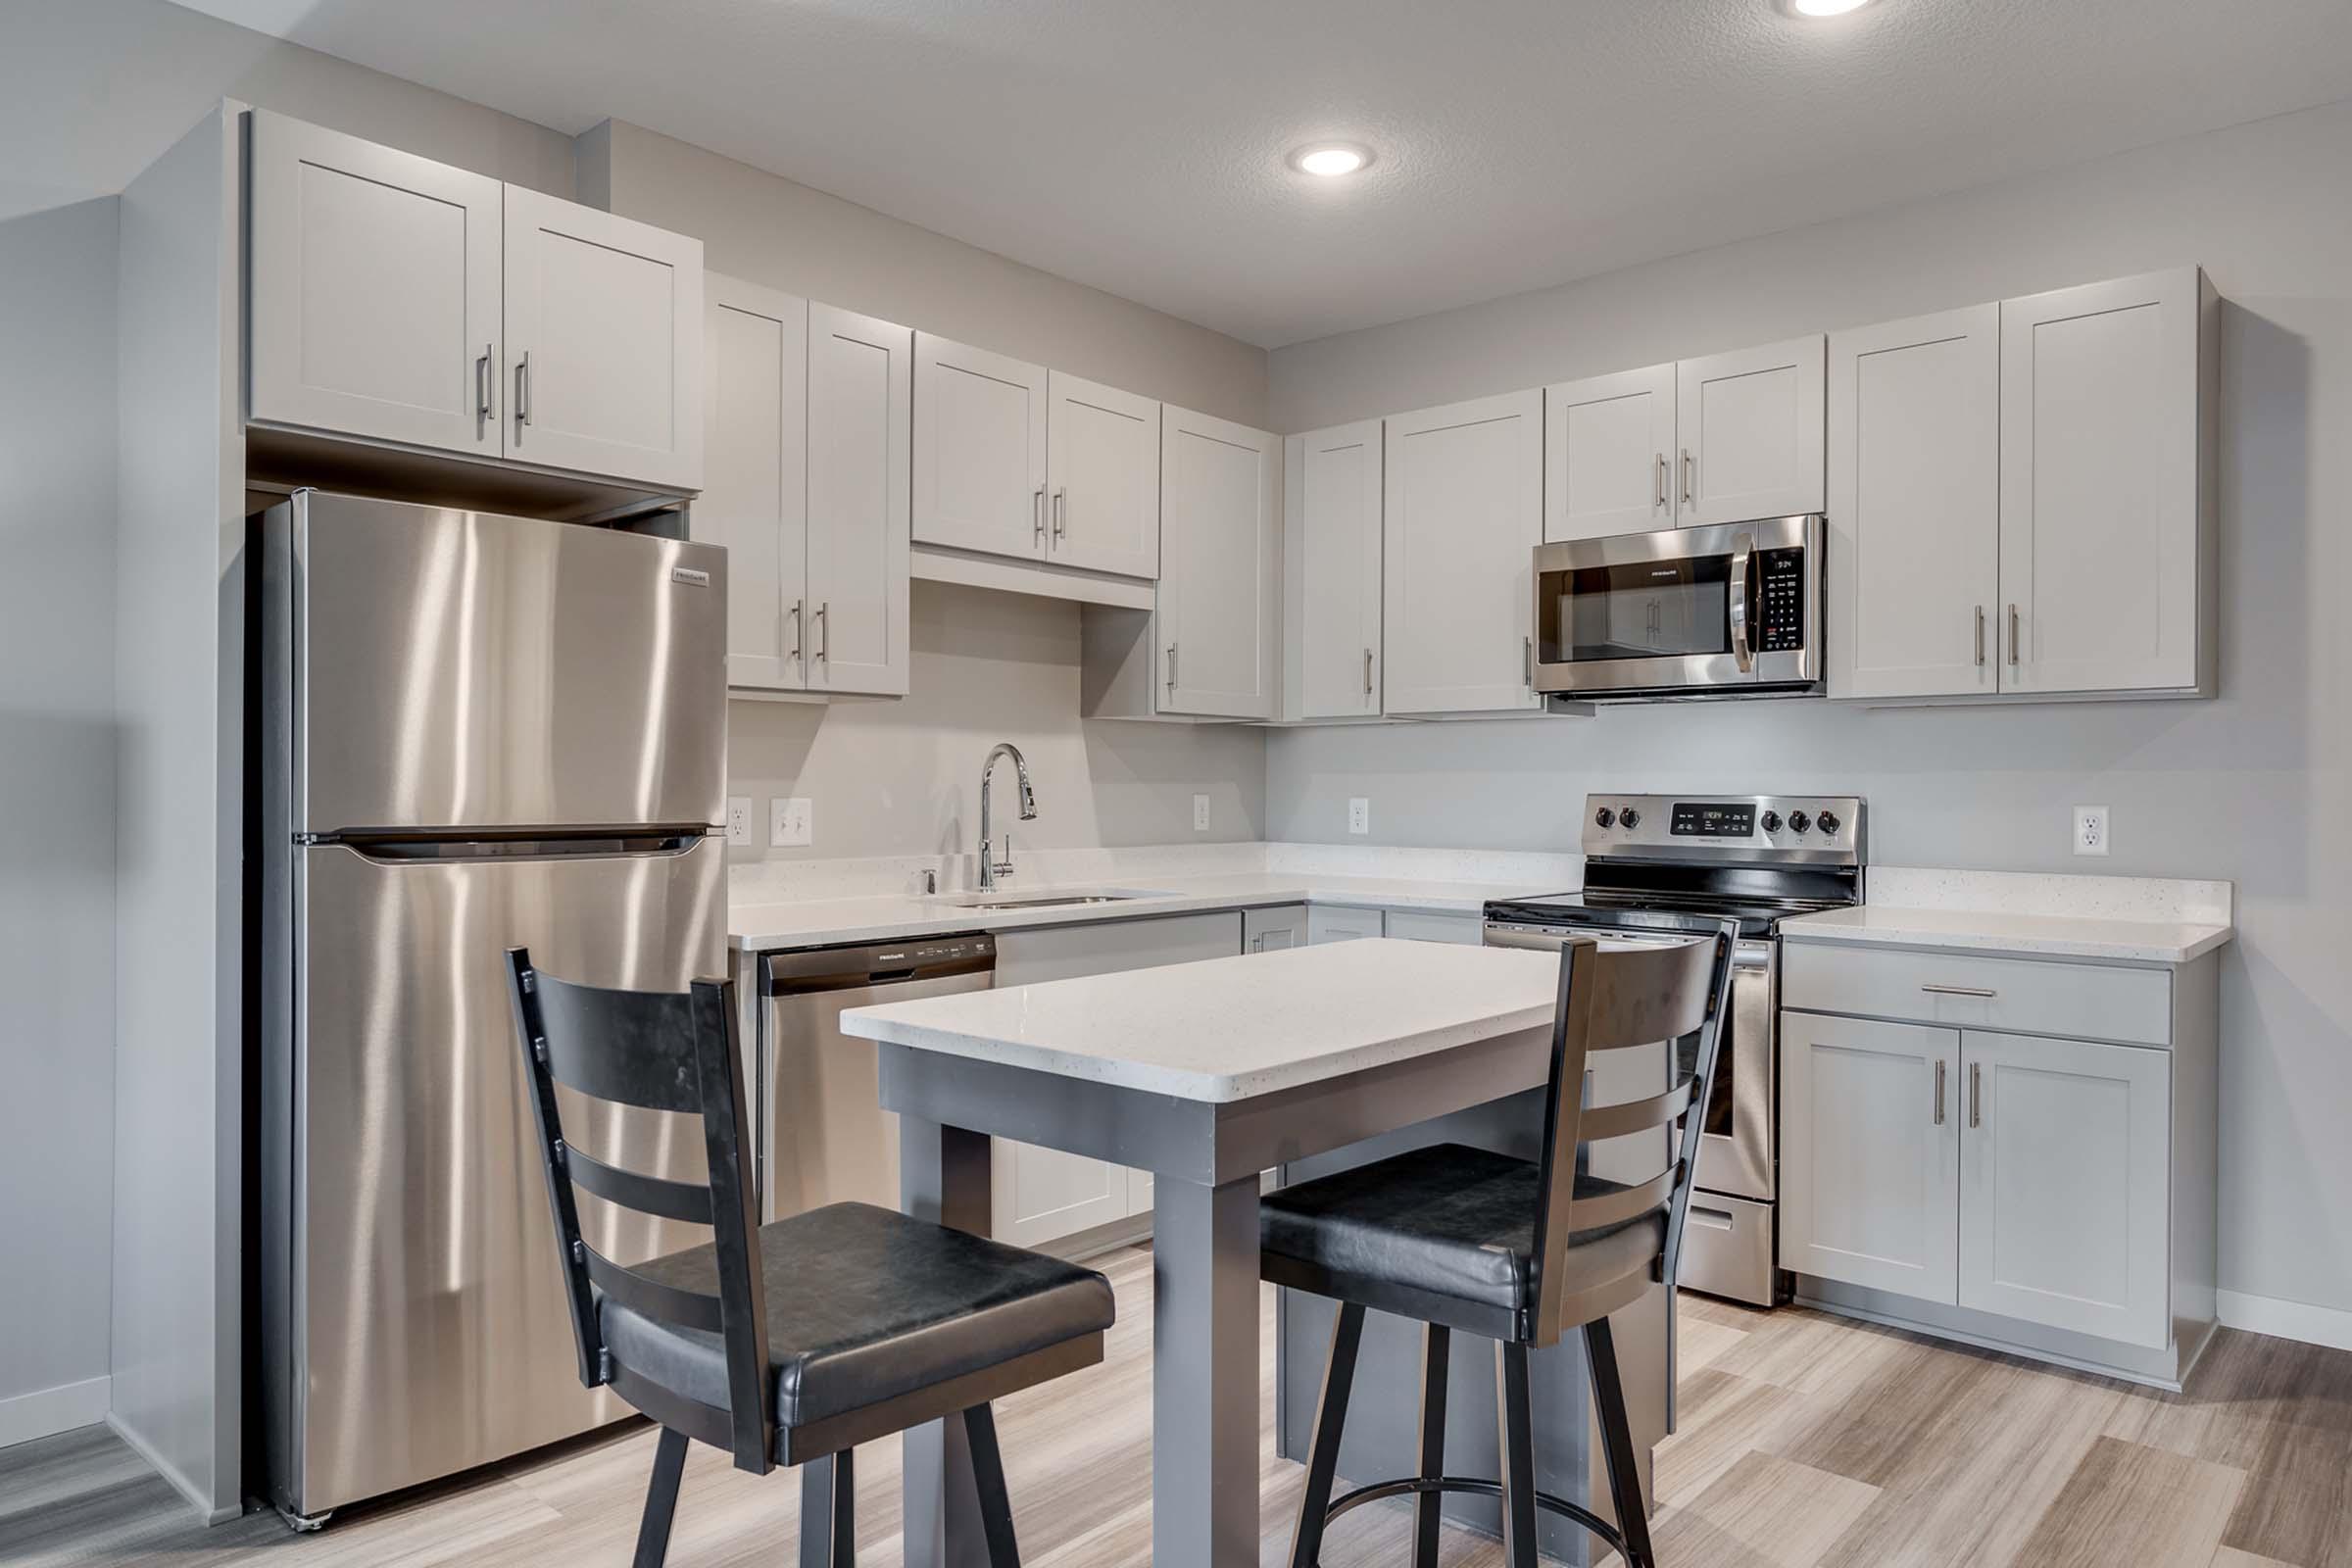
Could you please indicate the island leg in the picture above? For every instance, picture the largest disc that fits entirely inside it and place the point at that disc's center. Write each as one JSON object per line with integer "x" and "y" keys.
{"x": 1204, "y": 1390}
{"x": 942, "y": 1176}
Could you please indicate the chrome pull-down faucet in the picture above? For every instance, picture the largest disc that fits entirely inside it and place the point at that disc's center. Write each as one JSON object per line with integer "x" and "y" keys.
{"x": 990, "y": 868}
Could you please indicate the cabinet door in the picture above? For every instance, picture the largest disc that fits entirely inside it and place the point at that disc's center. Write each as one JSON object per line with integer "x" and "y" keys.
{"x": 1102, "y": 477}
{"x": 2099, "y": 486}
{"x": 1607, "y": 455}
{"x": 1420, "y": 925}
{"x": 860, "y": 385}
{"x": 1330, "y": 572}
{"x": 1272, "y": 930}
{"x": 979, "y": 449}
{"x": 1221, "y": 510}
{"x": 604, "y": 322}
{"x": 1870, "y": 1154}
{"x": 1463, "y": 514}
{"x": 2064, "y": 1173}
{"x": 1749, "y": 426}
{"x": 375, "y": 290}
{"x": 1326, "y": 922}
{"x": 1045, "y": 1194}
{"x": 1915, "y": 467}
{"x": 755, "y": 496}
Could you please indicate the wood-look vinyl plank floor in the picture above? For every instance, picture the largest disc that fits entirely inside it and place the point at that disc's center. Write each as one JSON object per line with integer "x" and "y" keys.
{"x": 1806, "y": 1442}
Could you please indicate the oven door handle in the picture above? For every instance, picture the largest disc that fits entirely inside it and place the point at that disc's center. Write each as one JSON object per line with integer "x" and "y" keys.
{"x": 1742, "y": 556}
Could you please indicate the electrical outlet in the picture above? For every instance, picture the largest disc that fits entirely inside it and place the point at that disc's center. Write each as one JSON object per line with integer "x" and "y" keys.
{"x": 791, "y": 821}
{"x": 1200, "y": 814}
{"x": 2091, "y": 830}
{"x": 738, "y": 820}
{"x": 1360, "y": 814}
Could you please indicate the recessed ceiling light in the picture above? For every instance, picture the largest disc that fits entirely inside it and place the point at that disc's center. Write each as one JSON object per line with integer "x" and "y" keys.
{"x": 1331, "y": 159}
{"x": 1823, "y": 8}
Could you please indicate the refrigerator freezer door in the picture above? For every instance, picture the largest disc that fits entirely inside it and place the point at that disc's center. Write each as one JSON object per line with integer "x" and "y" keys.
{"x": 458, "y": 670}
{"x": 429, "y": 1324}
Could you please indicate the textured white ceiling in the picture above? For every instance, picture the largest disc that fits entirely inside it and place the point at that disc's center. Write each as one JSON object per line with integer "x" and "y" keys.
{"x": 1138, "y": 145}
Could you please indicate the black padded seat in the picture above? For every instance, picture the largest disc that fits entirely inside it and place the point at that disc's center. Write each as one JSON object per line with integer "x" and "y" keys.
{"x": 865, "y": 1304}
{"x": 1446, "y": 1234}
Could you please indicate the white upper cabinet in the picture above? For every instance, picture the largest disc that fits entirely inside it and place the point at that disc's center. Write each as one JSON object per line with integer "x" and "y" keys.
{"x": 1220, "y": 512}
{"x": 1463, "y": 511}
{"x": 1608, "y": 445}
{"x": 1330, "y": 572}
{"x": 1870, "y": 1173}
{"x": 2105, "y": 474}
{"x": 604, "y": 322}
{"x": 1101, "y": 478}
{"x": 1749, "y": 433}
{"x": 979, "y": 449}
{"x": 1914, "y": 506}
{"x": 2066, "y": 1165}
{"x": 374, "y": 291}
{"x": 755, "y": 497}
{"x": 860, "y": 396}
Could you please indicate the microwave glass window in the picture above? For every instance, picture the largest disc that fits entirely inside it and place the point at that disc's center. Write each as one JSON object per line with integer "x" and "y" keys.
{"x": 1641, "y": 610}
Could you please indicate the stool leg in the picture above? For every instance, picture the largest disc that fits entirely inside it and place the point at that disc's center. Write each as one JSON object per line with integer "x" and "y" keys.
{"x": 996, "y": 1504}
{"x": 1437, "y": 1344}
{"x": 1515, "y": 1411}
{"x": 661, "y": 1499}
{"x": 1330, "y": 1416}
{"x": 828, "y": 1511}
{"x": 1617, "y": 1444}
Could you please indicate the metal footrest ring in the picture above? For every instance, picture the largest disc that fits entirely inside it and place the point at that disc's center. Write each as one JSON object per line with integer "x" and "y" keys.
{"x": 1591, "y": 1521}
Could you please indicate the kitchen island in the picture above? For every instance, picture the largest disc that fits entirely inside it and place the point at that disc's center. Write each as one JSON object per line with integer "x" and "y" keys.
{"x": 1208, "y": 1074}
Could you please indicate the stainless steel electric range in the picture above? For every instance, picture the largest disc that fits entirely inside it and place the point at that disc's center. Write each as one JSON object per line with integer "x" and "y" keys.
{"x": 1668, "y": 865}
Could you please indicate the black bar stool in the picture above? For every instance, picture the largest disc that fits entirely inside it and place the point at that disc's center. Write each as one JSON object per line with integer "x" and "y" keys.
{"x": 785, "y": 1344}
{"x": 1465, "y": 1238}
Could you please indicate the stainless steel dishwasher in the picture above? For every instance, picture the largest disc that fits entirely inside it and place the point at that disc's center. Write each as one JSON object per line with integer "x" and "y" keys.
{"x": 823, "y": 1135}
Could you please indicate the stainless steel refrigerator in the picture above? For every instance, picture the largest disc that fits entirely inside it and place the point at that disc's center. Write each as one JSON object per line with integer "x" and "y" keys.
{"x": 471, "y": 732}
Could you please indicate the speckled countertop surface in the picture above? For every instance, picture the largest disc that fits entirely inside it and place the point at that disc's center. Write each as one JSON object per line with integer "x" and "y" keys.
{"x": 2126, "y": 919}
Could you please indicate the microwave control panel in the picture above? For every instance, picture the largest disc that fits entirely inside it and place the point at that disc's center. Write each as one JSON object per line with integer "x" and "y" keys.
{"x": 1780, "y": 617}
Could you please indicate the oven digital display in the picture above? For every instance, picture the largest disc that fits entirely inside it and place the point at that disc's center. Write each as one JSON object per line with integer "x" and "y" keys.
{"x": 1706, "y": 820}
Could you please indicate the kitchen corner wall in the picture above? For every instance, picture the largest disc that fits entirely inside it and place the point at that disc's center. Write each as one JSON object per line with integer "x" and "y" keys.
{"x": 902, "y": 776}
{"x": 2252, "y": 786}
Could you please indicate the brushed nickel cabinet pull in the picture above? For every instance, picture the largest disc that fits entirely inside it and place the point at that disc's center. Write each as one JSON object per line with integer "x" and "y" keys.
{"x": 1938, "y": 1091}
{"x": 2013, "y": 637}
{"x": 1959, "y": 991}
{"x": 481, "y": 387}
{"x": 1037, "y": 515}
{"x": 1171, "y": 669}
{"x": 1980, "y": 636}
{"x": 1061, "y": 515}
{"x": 824, "y": 622}
{"x": 798, "y": 606}
{"x": 1527, "y": 664}
{"x": 1661, "y": 481}
{"x": 1367, "y": 672}
{"x": 522, "y": 390}
{"x": 1687, "y": 466}
{"x": 1975, "y": 1093}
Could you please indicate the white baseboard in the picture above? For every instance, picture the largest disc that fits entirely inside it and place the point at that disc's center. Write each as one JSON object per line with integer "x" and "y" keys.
{"x": 2330, "y": 1326}
{"x": 45, "y": 1412}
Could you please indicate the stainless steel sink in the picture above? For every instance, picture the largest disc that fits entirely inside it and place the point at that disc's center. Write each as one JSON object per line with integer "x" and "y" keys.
{"x": 1048, "y": 901}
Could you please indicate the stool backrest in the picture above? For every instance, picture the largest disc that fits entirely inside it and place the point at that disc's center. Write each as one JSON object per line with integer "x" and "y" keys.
{"x": 672, "y": 1050}
{"x": 1614, "y": 1000}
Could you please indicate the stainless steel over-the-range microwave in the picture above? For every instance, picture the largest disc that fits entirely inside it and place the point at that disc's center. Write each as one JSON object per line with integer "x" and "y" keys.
{"x": 1683, "y": 612}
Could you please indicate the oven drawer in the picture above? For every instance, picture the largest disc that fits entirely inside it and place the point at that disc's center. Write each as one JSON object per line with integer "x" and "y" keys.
{"x": 1727, "y": 1248}
{"x": 1967, "y": 990}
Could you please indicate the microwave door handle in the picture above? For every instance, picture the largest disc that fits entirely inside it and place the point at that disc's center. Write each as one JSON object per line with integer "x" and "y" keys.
{"x": 1742, "y": 549}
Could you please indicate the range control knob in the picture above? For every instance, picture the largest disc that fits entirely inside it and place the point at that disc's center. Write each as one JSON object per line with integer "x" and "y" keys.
{"x": 1629, "y": 818}
{"x": 1772, "y": 822}
{"x": 1798, "y": 821}
{"x": 1604, "y": 818}
{"x": 1826, "y": 821}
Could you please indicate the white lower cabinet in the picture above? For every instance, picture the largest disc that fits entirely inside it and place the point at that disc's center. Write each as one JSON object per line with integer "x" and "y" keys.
{"x": 1870, "y": 1161}
{"x": 1272, "y": 930}
{"x": 1420, "y": 925}
{"x": 1043, "y": 1194}
{"x": 2063, "y": 1185}
{"x": 1333, "y": 923}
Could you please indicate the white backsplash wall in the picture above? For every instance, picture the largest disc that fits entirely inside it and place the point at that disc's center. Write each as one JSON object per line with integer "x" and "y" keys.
{"x": 2250, "y": 787}
{"x": 902, "y": 776}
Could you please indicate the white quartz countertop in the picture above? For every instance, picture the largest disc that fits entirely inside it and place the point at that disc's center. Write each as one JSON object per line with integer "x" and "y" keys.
{"x": 822, "y": 923}
{"x": 1227, "y": 1029}
{"x": 2129, "y": 919}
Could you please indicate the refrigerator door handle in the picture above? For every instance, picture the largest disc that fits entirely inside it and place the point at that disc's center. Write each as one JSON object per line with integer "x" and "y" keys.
{"x": 392, "y": 850}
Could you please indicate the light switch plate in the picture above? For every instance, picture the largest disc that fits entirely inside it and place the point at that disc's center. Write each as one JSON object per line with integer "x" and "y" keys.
{"x": 738, "y": 820}
{"x": 1360, "y": 814}
{"x": 1200, "y": 814}
{"x": 2091, "y": 830}
{"x": 791, "y": 821}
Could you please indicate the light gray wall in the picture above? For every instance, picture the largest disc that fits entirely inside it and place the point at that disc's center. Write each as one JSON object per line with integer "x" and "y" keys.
{"x": 57, "y": 778}
{"x": 768, "y": 230}
{"x": 178, "y": 1058}
{"x": 903, "y": 777}
{"x": 2252, "y": 786}
{"x": 92, "y": 91}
